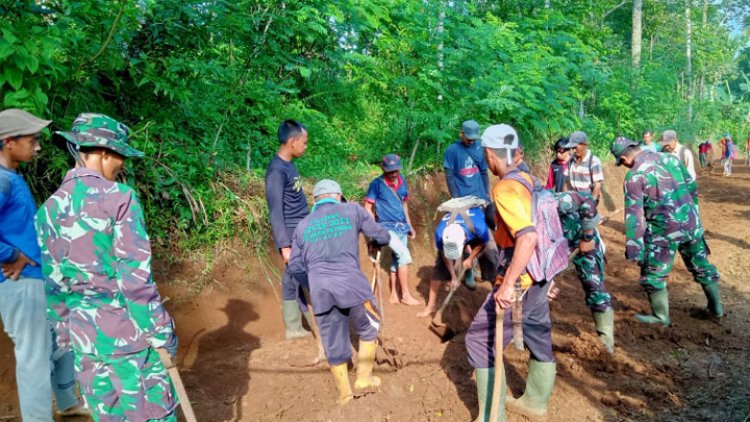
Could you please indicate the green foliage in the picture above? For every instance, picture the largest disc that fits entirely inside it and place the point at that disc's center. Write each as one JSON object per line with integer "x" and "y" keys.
{"x": 204, "y": 85}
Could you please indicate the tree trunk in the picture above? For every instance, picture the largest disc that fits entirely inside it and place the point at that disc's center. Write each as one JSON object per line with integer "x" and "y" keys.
{"x": 440, "y": 33}
{"x": 637, "y": 33}
{"x": 689, "y": 59}
{"x": 547, "y": 4}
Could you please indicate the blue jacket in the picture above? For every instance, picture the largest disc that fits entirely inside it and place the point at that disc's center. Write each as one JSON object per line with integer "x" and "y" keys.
{"x": 325, "y": 251}
{"x": 17, "y": 233}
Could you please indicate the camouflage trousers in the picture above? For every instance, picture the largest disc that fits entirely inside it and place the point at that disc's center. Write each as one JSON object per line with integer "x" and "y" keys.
{"x": 590, "y": 268}
{"x": 133, "y": 387}
{"x": 659, "y": 259}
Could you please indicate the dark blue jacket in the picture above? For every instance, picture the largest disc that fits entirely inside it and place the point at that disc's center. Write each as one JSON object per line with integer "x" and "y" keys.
{"x": 325, "y": 250}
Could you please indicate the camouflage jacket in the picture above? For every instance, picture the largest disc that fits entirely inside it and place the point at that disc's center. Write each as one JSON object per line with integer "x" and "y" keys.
{"x": 577, "y": 211}
{"x": 660, "y": 204}
{"x": 96, "y": 260}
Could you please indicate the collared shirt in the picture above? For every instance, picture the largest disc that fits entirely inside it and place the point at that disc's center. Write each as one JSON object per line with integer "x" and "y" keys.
{"x": 17, "y": 234}
{"x": 388, "y": 199}
{"x": 96, "y": 259}
{"x": 660, "y": 204}
{"x": 653, "y": 147}
{"x": 584, "y": 175}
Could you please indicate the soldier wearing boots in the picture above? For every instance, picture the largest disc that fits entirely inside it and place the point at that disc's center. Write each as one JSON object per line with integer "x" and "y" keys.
{"x": 325, "y": 251}
{"x": 661, "y": 219}
{"x": 579, "y": 218}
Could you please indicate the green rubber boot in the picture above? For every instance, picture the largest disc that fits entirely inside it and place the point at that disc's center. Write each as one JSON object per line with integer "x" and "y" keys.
{"x": 469, "y": 281}
{"x": 292, "y": 320}
{"x": 659, "y": 308}
{"x": 714, "y": 299}
{"x": 539, "y": 384}
{"x": 485, "y": 384}
{"x": 605, "y": 327}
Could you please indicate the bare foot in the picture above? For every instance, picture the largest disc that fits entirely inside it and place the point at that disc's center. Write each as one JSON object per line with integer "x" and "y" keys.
{"x": 427, "y": 312}
{"x": 394, "y": 300}
{"x": 410, "y": 301}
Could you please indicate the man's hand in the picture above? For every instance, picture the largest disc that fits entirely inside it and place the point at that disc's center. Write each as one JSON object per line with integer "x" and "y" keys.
{"x": 552, "y": 292}
{"x": 586, "y": 247}
{"x": 504, "y": 295}
{"x": 286, "y": 253}
{"x": 468, "y": 263}
{"x": 12, "y": 270}
{"x": 412, "y": 234}
{"x": 454, "y": 283}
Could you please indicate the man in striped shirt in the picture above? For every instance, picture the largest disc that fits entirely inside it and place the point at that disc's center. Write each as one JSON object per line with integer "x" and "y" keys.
{"x": 586, "y": 172}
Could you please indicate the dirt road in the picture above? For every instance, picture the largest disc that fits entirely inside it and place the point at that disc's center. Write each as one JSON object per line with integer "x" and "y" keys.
{"x": 236, "y": 366}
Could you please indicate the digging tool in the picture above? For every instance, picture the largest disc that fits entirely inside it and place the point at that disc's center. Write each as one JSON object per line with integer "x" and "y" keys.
{"x": 437, "y": 325}
{"x": 386, "y": 352}
{"x": 497, "y": 386}
{"x": 187, "y": 409}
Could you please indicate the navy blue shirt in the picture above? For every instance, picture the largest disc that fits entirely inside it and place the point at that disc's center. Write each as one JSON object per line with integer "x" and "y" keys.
{"x": 287, "y": 204}
{"x": 466, "y": 169}
{"x": 17, "y": 233}
{"x": 325, "y": 251}
{"x": 481, "y": 232}
{"x": 389, "y": 203}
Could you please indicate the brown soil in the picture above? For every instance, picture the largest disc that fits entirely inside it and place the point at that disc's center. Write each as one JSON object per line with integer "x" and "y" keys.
{"x": 237, "y": 366}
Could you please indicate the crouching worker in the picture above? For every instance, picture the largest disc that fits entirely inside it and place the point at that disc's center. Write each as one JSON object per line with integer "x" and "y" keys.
{"x": 454, "y": 231}
{"x": 579, "y": 218}
{"x": 516, "y": 239}
{"x": 325, "y": 250}
{"x": 96, "y": 260}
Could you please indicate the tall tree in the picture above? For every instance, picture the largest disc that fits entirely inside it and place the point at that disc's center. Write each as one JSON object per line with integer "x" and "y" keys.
{"x": 637, "y": 33}
{"x": 689, "y": 58}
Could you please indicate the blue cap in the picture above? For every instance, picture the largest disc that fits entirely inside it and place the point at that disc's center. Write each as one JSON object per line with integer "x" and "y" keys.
{"x": 391, "y": 162}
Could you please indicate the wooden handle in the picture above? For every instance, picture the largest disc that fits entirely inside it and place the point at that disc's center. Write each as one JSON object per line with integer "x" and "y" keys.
{"x": 499, "y": 371}
{"x": 187, "y": 408}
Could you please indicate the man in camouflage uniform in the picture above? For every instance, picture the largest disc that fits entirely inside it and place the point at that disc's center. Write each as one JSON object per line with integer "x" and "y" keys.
{"x": 661, "y": 218}
{"x": 579, "y": 218}
{"x": 96, "y": 261}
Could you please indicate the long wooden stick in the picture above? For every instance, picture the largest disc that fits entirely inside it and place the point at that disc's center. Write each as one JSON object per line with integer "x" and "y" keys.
{"x": 187, "y": 408}
{"x": 499, "y": 370}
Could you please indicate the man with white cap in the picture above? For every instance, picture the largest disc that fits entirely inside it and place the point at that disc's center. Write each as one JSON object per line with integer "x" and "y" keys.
{"x": 516, "y": 239}
{"x": 586, "y": 171}
{"x": 455, "y": 231}
{"x": 23, "y": 307}
{"x": 325, "y": 255}
{"x": 670, "y": 145}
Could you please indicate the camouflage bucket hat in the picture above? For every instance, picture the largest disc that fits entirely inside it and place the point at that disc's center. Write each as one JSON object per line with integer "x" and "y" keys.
{"x": 98, "y": 130}
{"x": 619, "y": 145}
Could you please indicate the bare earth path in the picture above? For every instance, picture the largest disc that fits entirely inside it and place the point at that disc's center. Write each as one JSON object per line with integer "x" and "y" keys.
{"x": 236, "y": 366}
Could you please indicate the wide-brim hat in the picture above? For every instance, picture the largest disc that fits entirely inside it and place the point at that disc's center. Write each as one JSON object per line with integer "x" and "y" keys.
{"x": 95, "y": 130}
{"x": 619, "y": 146}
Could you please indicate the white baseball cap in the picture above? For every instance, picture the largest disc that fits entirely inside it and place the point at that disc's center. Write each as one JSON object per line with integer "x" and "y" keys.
{"x": 501, "y": 136}
{"x": 454, "y": 238}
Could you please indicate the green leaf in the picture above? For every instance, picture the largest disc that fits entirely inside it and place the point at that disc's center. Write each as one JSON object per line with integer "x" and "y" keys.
{"x": 14, "y": 77}
{"x": 305, "y": 72}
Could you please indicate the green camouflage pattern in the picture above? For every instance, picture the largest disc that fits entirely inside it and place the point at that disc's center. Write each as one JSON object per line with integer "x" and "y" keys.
{"x": 660, "y": 204}
{"x": 96, "y": 261}
{"x": 660, "y": 259}
{"x": 661, "y": 218}
{"x": 141, "y": 385}
{"x": 577, "y": 211}
{"x": 98, "y": 130}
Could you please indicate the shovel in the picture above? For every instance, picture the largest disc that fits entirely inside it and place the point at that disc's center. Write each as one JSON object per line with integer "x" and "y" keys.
{"x": 386, "y": 353}
{"x": 437, "y": 325}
